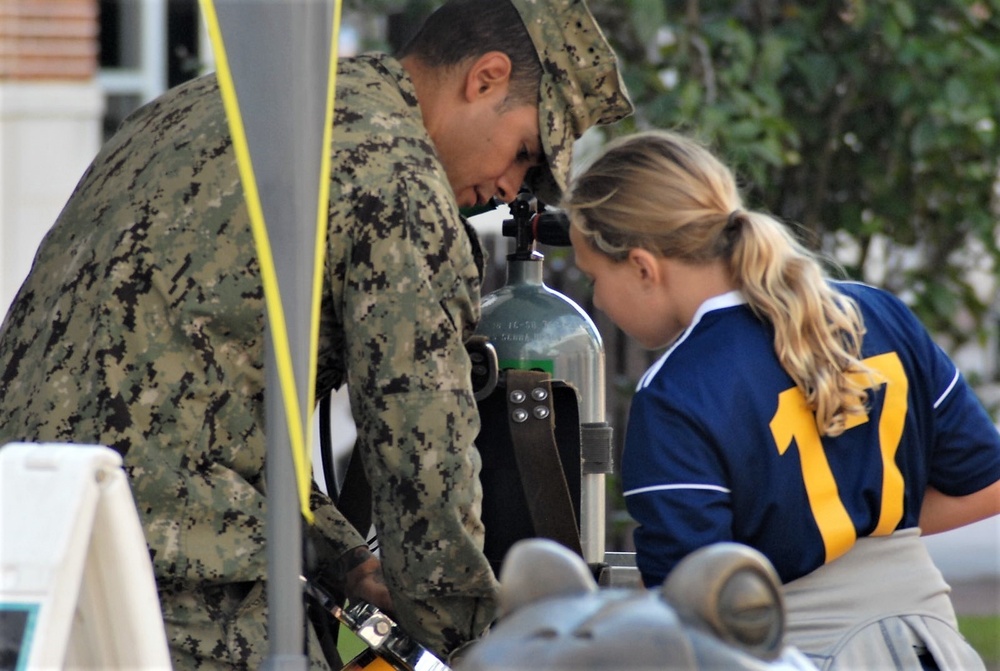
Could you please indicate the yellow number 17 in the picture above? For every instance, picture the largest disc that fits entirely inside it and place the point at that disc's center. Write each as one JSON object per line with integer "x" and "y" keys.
{"x": 794, "y": 421}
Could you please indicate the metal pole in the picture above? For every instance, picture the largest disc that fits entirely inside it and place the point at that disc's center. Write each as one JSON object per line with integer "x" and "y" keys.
{"x": 278, "y": 54}
{"x": 285, "y": 615}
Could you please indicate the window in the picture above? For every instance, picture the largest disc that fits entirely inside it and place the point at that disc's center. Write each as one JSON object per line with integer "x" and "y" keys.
{"x": 146, "y": 47}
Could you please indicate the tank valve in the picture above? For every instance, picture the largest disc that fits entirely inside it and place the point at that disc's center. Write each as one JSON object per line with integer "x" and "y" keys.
{"x": 550, "y": 226}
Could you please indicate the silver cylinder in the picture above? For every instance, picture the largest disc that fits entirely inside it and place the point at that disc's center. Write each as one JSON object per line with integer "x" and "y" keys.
{"x": 534, "y": 327}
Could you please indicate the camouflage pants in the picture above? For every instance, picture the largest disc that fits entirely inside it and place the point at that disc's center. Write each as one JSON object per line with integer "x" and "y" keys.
{"x": 223, "y": 627}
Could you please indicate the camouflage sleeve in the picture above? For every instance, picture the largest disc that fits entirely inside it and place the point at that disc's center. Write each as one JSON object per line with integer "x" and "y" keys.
{"x": 139, "y": 328}
{"x": 410, "y": 298}
{"x": 331, "y": 536}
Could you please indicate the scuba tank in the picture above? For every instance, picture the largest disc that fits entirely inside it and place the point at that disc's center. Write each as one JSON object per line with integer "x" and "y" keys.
{"x": 533, "y": 327}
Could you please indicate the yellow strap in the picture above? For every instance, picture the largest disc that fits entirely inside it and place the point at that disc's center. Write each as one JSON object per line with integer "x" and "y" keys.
{"x": 298, "y": 438}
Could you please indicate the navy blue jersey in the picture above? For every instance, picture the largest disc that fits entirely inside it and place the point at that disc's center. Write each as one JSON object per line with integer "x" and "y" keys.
{"x": 720, "y": 445}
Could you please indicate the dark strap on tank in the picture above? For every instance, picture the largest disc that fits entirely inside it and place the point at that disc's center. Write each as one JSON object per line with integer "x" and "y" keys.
{"x": 354, "y": 498}
{"x": 326, "y": 446}
{"x": 531, "y": 418}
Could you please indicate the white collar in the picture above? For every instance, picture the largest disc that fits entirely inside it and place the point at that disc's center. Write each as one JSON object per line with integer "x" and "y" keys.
{"x": 722, "y": 301}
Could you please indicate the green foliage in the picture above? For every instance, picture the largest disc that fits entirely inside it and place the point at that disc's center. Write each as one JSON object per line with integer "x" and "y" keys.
{"x": 874, "y": 119}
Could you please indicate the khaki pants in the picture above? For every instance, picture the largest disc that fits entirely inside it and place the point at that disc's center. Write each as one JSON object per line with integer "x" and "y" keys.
{"x": 882, "y": 606}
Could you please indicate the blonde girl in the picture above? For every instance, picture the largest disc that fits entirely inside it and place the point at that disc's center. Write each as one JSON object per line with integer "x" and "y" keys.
{"x": 812, "y": 419}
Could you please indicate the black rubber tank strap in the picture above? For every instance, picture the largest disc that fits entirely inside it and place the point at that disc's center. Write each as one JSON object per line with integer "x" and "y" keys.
{"x": 531, "y": 418}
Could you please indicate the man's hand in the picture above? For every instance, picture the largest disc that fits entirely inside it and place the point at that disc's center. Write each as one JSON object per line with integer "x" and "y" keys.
{"x": 363, "y": 579}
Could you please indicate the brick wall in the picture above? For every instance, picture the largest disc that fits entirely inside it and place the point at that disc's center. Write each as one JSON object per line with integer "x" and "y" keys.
{"x": 48, "y": 40}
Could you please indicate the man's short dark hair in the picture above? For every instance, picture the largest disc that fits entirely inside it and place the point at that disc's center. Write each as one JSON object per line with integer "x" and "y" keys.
{"x": 466, "y": 29}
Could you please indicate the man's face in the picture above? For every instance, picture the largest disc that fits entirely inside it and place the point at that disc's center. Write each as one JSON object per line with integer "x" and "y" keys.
{"x": 489, "y": 150}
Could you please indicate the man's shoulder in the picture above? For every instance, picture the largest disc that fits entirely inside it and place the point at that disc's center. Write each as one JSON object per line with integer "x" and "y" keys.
{"x": 374, "y": 78}
{"x": 379, "y": 137}
{"x": 181, "y": 106}
{"x": 376, "y": 102}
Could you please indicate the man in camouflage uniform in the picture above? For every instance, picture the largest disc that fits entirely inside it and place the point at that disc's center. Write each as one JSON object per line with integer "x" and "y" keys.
{"x": 141, "y": 324}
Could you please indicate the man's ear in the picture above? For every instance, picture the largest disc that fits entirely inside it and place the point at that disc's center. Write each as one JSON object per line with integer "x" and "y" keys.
{"x": 488, "y": 75}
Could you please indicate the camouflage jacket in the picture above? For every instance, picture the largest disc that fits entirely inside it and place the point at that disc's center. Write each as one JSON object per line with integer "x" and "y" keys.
{"x": 140, "y": 327}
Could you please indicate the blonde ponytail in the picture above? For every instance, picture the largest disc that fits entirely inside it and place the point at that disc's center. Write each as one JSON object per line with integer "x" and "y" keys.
{"x": 817, "y": 331}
